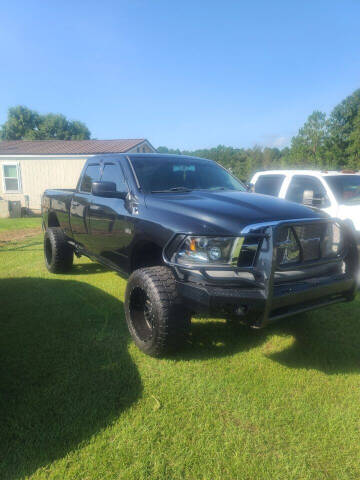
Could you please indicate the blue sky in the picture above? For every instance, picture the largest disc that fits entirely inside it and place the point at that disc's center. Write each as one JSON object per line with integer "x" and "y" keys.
{"x": 185, "y": 74}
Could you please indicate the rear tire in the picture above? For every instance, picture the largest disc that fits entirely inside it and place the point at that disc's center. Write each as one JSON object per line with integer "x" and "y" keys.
{"x": 156, "y": 318}
{"x": 58, "y": 254}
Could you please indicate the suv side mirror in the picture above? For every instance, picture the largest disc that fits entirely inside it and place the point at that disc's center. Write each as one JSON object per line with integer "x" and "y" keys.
{"x": 107, "y": 190}
{"x": 310, "y": 199}
{"x": 318, "y": 201}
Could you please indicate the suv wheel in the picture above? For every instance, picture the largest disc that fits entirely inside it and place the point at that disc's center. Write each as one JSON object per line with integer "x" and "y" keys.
{"x": 157, "y": 321}
{"x": 58, "y": 254}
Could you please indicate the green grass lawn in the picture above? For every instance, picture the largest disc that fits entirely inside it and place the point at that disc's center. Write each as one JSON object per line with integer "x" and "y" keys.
{"x": 19, "y": 223}
{"x": 79, "y": 401}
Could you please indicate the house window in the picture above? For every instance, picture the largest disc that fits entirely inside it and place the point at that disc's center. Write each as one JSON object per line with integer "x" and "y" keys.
{"x": 11, "y": 177}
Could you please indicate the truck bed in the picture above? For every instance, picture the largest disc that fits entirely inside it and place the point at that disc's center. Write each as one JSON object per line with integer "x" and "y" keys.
{"x": 55, "y": 204}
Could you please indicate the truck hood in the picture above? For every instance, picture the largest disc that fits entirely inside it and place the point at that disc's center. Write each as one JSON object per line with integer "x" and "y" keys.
{"x": 222, "y": 212}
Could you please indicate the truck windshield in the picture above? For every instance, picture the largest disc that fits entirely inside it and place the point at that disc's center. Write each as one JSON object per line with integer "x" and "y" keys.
{"x": 175, "y": 174}
{"x": 346, "y": 188}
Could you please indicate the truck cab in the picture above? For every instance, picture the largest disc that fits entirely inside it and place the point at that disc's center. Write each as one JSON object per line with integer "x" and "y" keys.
{"x": 336, "y": 193}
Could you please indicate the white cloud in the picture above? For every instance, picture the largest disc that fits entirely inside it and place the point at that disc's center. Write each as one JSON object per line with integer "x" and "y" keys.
{"x": 280, "y": 142}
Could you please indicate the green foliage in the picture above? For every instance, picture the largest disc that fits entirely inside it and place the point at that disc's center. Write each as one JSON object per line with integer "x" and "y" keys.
{"x": 309, "y": 145}
{"x": 22, "y": 123}
{"x": 341, "y": 127}
{"x": 26, "y": 124}
{"x": 353, "y": 149}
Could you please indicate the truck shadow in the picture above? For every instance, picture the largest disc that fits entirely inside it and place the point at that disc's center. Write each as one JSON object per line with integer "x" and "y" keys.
{"x": 88, "y": 268}
{"x": 327, "y": 340}
{"x": 65, "y": 372}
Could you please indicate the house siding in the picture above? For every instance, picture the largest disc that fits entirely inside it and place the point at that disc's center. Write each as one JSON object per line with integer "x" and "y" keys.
{"x": 40, "y": 173}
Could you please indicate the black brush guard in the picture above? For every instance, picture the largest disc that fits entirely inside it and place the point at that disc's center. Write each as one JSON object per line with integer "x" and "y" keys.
{"x": 264, "y": 297}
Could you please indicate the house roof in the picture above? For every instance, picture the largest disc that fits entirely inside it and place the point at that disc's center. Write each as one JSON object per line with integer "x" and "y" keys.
{"x": 67, "y": 147}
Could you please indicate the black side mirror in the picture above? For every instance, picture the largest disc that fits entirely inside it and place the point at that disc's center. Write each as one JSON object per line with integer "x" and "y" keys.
{"x": 107, "y": 190}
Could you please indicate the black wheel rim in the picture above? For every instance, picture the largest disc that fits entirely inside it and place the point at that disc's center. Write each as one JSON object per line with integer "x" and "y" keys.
{"x": 142, "y": 314}
{"x": 48, "y": 251}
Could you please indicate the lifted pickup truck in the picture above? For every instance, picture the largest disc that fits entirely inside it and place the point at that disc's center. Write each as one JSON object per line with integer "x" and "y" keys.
{"x": 192, "y": 240}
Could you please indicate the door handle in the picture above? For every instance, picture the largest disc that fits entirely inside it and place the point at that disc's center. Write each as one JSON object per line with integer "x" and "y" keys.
{"x": 75, "y": 204}
{"x": 95, "y": 207}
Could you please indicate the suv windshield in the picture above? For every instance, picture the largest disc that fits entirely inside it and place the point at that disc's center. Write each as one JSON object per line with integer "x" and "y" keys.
{"x": 176, "y": 174}
{"x": 346, "y": 188}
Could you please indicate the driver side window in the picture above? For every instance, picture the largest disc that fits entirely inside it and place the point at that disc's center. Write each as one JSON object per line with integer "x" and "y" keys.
{"x": 112, "y": 173}
{"x": 92, "y": 174}
{"x": 308, "y": 191}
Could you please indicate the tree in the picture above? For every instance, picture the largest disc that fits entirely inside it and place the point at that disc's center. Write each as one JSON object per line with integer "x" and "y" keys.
{"x": 309, "y": 145}
{"x": 168, "y": 150}
{"x": 341, "y": 125}
{"x": 26, "y": 124}
{"x": 22, "y": 123}
{"x": 56, "y": 126}
{"x": 353, "y": 149}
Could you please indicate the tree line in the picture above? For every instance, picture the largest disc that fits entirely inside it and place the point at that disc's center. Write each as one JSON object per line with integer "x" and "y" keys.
{"x": 324, "y": 141}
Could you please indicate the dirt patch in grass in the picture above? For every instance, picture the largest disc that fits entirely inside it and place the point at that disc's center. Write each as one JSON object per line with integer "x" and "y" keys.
{"x": 16, "y": 235}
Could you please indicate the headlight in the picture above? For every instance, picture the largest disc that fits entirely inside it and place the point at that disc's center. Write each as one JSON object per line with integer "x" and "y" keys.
{"x": 236, "y": 251}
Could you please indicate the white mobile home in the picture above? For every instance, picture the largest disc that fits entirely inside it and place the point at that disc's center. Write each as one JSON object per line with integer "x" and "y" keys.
{"x": 27, "y": 168}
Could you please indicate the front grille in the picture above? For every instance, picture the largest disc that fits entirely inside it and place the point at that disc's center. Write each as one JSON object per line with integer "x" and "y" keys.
{"x": 308, "y": 243}
{"x": 310, "y": 237}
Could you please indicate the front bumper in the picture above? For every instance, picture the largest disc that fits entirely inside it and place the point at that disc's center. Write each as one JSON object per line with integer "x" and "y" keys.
{"x": 265, "y": 292}
{"x": 257, "y": 309}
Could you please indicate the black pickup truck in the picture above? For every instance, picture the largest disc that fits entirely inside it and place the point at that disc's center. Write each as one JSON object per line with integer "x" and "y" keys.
{"x": 192, "y": 240}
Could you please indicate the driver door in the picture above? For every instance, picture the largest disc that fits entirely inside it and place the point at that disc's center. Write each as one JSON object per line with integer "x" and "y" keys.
{"x": 308, "y": 191}
{"x": 109, "y": 220}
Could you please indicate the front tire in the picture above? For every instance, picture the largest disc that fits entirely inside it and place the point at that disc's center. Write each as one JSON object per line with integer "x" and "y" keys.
{"x": 58, "y": 254}
{"x": 156, "y": 318}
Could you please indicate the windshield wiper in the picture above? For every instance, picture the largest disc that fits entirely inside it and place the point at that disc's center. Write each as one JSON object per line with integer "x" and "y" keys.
{"x": 174, "y": 189}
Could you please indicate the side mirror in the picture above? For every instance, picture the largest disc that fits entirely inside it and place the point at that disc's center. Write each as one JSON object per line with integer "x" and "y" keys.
{"x": 318, "y": 201}
{"x": 313, "y": 200}
{"x": 107, "y": 190}
{"x": 250, "y": 187}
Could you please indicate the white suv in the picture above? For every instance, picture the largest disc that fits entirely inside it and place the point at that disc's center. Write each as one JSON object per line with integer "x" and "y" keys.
{"x": 337, "y": 193}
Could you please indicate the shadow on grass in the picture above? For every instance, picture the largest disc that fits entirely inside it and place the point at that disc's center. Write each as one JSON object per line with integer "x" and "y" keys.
{"x": 65, "y": 372}
{"x": 327, "y": 340}
{"x": 88, "y": 268}
{"x": 217, "y": 338}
